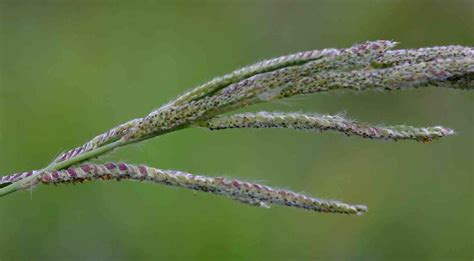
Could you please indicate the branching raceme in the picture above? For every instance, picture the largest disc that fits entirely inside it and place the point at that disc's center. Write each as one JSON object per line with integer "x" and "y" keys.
{"x": 371, "y": 65}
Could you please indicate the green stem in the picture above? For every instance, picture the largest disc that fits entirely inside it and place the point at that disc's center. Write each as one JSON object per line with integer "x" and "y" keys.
{"x": 27, "y": 182}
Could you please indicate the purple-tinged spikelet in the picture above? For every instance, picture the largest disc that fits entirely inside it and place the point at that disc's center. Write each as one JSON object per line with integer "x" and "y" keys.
{"x": 245, "y": 192}
{"x": 326, "y": 122}
{"x": 104, "y": 138}
{"x": 15, "y": 177}
{"x": 412, "y": 56}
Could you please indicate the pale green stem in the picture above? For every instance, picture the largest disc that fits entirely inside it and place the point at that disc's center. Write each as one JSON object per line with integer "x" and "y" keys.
{"x": 27, "y": 182}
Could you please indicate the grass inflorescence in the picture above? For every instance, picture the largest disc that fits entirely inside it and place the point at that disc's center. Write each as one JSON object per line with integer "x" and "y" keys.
{"x": 371, "y": 65}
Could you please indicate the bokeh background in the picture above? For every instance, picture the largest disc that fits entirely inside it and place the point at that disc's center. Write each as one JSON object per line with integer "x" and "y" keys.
{"x": 72, "y": 69}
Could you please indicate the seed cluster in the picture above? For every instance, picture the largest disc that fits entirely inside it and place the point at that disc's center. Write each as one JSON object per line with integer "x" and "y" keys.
{"x": 245, "y": 192}
{"x": 248, "y": 71}
{"x": 262, "y": 84}
{"x": 412, "y": 56}
{"x": 442, "y": 73}
{"x": 327, "y": 122}
{"x": 363, "y": 66}
{"x": 268, "y": 86}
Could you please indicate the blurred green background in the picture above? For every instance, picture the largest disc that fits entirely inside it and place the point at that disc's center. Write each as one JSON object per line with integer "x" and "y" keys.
{"x": 73, "y": 69}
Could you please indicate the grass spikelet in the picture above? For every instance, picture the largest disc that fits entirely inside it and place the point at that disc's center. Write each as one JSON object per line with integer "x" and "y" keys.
{"x": 244, "y": 192}
{"x": 338, "y": 123}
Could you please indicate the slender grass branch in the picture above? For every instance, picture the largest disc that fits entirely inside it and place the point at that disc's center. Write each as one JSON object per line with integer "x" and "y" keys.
{"x": 245, "y": 192}
{"x": 338, "y": 123}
